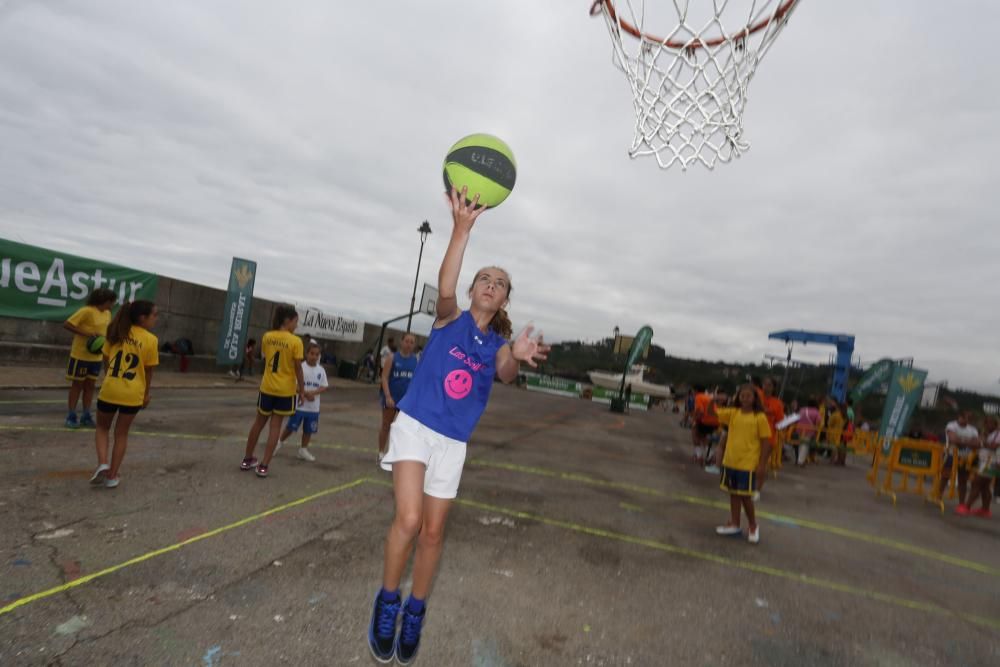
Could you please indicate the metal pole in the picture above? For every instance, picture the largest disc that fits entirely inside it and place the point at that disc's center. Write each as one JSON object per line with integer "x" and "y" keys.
{"x": 784, "y": 377}
{"x": 425, "y": 230}
{"x": 416, "y": 278}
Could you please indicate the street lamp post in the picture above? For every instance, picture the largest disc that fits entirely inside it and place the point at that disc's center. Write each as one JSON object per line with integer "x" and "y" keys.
{"x": 425, "y": 230}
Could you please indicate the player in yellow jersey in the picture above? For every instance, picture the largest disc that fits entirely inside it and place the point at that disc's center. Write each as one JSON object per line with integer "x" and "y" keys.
{"x": 84, "y": 366}
{"x": 744, "y": 460}
{"x": 131, "y": 354}
{"x": 282, "y": 383}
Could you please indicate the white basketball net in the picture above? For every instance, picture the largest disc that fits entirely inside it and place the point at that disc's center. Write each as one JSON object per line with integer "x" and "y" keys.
{"x": 689, "y": 85}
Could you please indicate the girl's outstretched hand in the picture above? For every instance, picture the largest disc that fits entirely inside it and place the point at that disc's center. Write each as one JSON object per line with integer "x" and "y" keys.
{"x": 529, "y": 350}
{"x": 464, "y": 212}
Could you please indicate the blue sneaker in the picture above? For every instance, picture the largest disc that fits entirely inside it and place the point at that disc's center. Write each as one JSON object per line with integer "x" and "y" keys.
{"x": 382, "y": 628}
{"x": 87, "y": 420}
{"x": 409, "y": 635}
{"x": 71, "y": 421}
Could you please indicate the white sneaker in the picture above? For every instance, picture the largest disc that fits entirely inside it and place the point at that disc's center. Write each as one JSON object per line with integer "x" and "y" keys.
{"x": 727, "y": 530}
{"x": 111, "y": 482}
{"x": 712, "y": 470}
{"x": 755, "y": 496}
{"x": 306, "y": 455}
{"x": 753, "y": 537}
{"x": 100, "y": 474}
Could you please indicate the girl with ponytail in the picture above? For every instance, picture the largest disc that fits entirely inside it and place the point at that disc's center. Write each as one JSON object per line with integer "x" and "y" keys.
{"x": 130, "y": 354}
{"x": 427, "y": 440}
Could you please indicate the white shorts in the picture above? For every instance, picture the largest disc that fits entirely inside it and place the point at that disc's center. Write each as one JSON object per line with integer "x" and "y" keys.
{"x": 444, "y": 457}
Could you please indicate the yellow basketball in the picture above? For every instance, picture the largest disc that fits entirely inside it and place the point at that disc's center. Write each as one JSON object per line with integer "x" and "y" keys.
{"x": 485, "y": 165}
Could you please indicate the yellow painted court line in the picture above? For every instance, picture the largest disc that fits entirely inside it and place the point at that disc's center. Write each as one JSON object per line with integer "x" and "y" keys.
{"x": 20, "y": 602}
{"x": 898, "y": 545}
{"x": 771, "y": 516}
{"x": 806, "y": 579}
{"x": 175, "y": 436}
{"x": 63, "y": 429}
{"x": 172, "y": 399}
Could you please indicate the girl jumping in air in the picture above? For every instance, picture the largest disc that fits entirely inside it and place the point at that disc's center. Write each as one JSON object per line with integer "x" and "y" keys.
{"x": 427, "y": 440}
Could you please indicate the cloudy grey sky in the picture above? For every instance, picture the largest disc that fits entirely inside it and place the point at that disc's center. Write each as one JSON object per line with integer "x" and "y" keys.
{"x": 309, "y": 136}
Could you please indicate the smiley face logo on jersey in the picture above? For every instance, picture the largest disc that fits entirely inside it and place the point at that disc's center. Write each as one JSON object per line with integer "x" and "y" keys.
{"x": 458, "y": 384}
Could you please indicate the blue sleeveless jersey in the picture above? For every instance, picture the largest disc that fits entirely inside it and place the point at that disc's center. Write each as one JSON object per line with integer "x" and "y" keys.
{"x": 452, "y": 383}
{"x": 400, "y": 375}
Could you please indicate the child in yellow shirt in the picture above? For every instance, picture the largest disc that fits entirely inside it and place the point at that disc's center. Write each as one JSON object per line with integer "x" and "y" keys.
{"x": 130, "y": 354}
{"x": 282, "y": 383}
{"x": 84, "y": 365}
{"x": 744, "y": 459}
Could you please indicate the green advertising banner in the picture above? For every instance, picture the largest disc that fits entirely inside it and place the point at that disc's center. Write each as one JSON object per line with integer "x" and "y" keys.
{"x": 876, "y": 375}
{"x": 41, "y": 284}
{"x": 916, "y": 458}
{"x": 603, "y": 395}
{"x": 236, "y": 314}
{"x": 549, "y": 384}
{"x": 905, "y": 390}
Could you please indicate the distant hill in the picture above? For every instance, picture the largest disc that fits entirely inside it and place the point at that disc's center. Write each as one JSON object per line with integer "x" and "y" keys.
{"x": 572, "y": 359}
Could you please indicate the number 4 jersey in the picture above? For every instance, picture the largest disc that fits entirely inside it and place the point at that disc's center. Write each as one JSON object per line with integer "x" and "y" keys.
{"x": 282, "y": 353}
{"x": 125, "y": 379}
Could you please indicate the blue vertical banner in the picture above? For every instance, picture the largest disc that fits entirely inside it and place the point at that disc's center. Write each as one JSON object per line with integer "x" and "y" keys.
{"x": 236, "y": 314}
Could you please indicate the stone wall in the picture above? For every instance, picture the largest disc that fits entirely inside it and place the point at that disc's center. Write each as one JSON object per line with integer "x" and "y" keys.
{"x": 186, "y": 310}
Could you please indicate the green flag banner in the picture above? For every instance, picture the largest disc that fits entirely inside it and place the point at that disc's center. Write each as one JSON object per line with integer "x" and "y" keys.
{"x": 41, "y": 284}
{"x": 905, "y": 390}
{"x": 236, "y": 314}
{"x": 876, "y": 375}
{"x": 639, "y": 345}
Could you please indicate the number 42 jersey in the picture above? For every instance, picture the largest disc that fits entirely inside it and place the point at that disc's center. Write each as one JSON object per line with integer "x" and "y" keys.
{"x": 125, "y": 379}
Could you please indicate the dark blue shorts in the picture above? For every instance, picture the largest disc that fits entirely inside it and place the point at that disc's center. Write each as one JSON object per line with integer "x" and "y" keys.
{"x": 104, "y": 406}
{"x": 268, "y": 404}
{"x": 949, "y": 460}
{"x": 738, "y": 482}
{"x": 705, "y": 430}
{"x": 78, "y": 370}
{"x": 309, "y": 420}
{"x": 381, "y": 400}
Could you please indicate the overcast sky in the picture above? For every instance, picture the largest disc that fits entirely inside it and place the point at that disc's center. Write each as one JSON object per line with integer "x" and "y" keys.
{"x": 172, "y": 136}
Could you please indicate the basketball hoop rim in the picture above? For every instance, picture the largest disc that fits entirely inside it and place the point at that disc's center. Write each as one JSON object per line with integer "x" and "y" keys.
{"x": 779, "y": 13}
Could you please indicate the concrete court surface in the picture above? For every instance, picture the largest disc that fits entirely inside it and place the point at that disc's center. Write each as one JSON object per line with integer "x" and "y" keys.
{"x": 580, "y": 537}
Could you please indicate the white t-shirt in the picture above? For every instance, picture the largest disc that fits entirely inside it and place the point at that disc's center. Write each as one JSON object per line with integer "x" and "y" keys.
{"x": 989, "y": 456}
{"x": 314, "y": 378}
{"x": 961, "y": 436}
